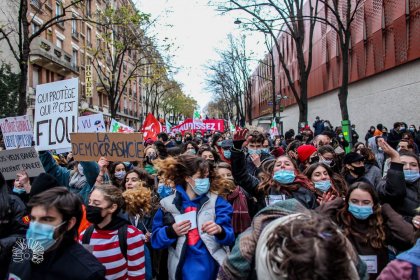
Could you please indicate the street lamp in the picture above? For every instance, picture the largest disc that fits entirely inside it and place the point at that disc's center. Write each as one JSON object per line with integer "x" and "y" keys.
{"x": 237, "y": 21}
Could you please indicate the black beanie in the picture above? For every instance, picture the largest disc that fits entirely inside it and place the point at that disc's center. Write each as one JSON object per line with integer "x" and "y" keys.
{"x": 42, "y": 183}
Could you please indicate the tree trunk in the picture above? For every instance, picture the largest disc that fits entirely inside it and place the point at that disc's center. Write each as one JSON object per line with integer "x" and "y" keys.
{"x": 24, "y": 59}
{"x": 273, "y": 84}
{"x": 343, "y": 92}
{"x": 303, "y": 107}
{"x": 112, "y": 105}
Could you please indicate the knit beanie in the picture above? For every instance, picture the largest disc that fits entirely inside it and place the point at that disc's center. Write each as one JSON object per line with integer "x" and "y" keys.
{"x": 305, "y": 151}
{"x": 42, "y": 183}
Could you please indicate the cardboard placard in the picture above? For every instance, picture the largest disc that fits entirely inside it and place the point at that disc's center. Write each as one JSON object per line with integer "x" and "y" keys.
{"x": 17, "y": 132}
{"x": 91, "y": 123}
{"x": 56, "y": 110}
{"x": 113, "y": 146}
{"x": 27, "y": 159}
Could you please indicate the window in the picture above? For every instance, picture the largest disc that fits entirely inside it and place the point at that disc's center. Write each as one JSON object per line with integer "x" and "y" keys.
{"x": 74, "y": 58}
{"x": 88, "y": 8}
{"x": 74, "y": 25}
{"x": 59, "y": 43}
{"x": 36, "y": 76}
{"x": 89, "y": 36}
{"x": 58, "y": 7}
{"x": 35, "y": 27}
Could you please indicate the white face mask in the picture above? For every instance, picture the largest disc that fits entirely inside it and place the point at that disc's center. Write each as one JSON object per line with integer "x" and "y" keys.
{"x": 80, "y": 169}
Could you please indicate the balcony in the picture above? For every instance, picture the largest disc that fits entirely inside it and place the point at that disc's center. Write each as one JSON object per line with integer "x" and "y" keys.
{"x": 46, "y": 54}
{"x": 37, "y": 5}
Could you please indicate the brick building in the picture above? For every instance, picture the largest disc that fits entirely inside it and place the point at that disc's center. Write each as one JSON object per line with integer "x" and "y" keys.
{"x": 384, "y": 70}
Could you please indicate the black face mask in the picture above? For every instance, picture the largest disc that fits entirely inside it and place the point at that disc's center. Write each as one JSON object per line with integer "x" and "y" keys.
{"x": 94, "y": 214}
{"x": 359, "y": 171}
{"x": 314, "y": 159}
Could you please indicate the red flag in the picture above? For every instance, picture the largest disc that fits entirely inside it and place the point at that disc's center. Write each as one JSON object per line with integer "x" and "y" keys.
{"x": 151, "y": 128}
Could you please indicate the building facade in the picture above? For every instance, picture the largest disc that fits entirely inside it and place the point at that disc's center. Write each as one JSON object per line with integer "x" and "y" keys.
{"x": 384, "y": 66}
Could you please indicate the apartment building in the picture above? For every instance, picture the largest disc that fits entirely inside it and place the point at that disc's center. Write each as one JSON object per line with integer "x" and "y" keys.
{"x": 66, "y": 50}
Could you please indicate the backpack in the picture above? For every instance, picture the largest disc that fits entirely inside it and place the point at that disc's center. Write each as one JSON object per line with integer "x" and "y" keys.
{"x": 122, "y": 238}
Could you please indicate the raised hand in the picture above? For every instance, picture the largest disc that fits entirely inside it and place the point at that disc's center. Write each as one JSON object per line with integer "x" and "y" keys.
{"x": 393, "y": 154}
{"x": 240, "y": 135}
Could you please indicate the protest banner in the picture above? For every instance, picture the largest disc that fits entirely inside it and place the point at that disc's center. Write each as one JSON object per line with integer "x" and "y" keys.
{"x": 190, "y": 125}
{"x": 56, "y": 108}
{"x": 17, "y": 132}
{"x": 88, "y": 80}
{"x": 151, "y": 127}
{"x": 119, "y": 127}
{"x": 15, "y": 160}
{"x": 91, "y": 123}
{"x": 113, "y": 146}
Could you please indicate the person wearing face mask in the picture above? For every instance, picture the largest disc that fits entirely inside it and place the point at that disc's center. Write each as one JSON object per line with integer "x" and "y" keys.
{"x": 194, "y": 223}
{"x": 401, "y": 186}
{"x": 354, "y": 168}
{"x": 372, "y": 171}
{"x": 307, "y": 154}
{"x": 80, "y": 180}
{"x": 22, "y": 186}
{"x": 125, "y": 260}
{"x": 117, "y": 171}
{"x": 178, "y": 140}
{"x": 369, "y": 226}
{"x": 209, "y": 154}
{"x": 150, "y": 155}
{"x": 226, "y": 153}
{"x": 395, "y": 135}
{"x": 256, "y": 156}
{"x": 328, "y": 185}
{"x": 55, "y": 216}
{"x": 241, "y": 218}
{"x": 328, "y": 156}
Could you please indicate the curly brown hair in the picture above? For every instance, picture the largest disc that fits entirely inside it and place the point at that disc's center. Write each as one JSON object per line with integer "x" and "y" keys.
{"x": 376, "y": 232}
{"x": 178, "y": 168}
{"x": 138, "y": 200}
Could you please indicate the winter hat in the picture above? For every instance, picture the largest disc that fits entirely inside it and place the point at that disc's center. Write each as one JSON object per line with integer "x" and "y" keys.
{"x": 352, "y": 157}
{"x": 276, "y": 152}
{"x": 226, "y": 144}
{"x": 42, "y": 183}
{"x": 305, "y": 151}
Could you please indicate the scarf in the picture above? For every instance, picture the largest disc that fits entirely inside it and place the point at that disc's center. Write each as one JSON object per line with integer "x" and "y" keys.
{"x": 77, "y": 181}
{"x": 241, "y": 220}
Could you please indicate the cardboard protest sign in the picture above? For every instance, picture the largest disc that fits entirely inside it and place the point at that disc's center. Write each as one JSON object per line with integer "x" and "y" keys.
{"x": 56, "y": 106}
{"x": 193, "y": 126}
{"x": 17, "y": 132}
{"x": 15, "y": 160}
{"x": 119, "y": 127}
{"x": 113, "y": 146}
{"x": 91, "y": 123}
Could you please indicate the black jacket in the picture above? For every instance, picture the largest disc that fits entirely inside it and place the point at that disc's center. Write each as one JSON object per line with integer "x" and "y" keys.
{"x": 404, "y": 197}
{"x": 70, "y": 261}
{"x": 394, "y": 137}
{"x": 250, "y": 184}
{"x": 12, "y": 227}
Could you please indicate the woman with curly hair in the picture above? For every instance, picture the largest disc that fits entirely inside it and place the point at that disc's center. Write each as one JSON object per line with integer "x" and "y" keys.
{"x": 369, "y": 226}
{"x": 118, "y": 245}
{"x": 328, "y": 185}
{"x": 194, "y": 223}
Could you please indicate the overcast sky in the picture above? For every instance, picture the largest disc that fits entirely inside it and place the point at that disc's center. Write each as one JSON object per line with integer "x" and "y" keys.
{"x": 197, "y": 30}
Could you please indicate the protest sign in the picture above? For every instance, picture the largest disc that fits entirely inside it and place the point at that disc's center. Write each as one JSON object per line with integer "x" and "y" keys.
{"x": 88, "y": 80}
{"x": 56, "y": 106}
{"x": 91, "y": 123}
{"x": 113, "y": 146}
{"x": 17, "y": 132}
{"x": 119, "y": 127}
{"x": 190, "y": 125}
{"x": 15, "y": 160}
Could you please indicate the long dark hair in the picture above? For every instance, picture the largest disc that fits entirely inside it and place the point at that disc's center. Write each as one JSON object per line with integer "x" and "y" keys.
{"x": 112, "y": 168}
{"x": 143, "y": 176}
{"x": 338, "y": 186}
{"x": 4, "y": 197}
{"x": 376, "y": 232}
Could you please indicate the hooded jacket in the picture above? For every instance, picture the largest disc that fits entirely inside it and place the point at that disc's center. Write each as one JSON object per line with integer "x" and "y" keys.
{"x": 198, "y": 254}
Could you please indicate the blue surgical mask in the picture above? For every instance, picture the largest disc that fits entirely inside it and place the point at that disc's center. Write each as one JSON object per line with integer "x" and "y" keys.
{"x": 164, "y": 191}
{"x": 18, "y": 190}
{"x": 360, "y": 212}
{"x": 411, "y": 129}
{"x": 265, "y": 150}
{"x": 219, "y": 143}
{"x": 284, "y": 176}
{"x": 411, "y": 175}
{"x": 254, "y": 151}
{"x": 227, "y": 154}
{"x": 191, "y": 152}
{"x": 202, "y": 186}
{"x": 326, "y": 162}
{"x": 42, "y": 233}
{"x": 120, "y": 175}
{"x": 323, "y": 186}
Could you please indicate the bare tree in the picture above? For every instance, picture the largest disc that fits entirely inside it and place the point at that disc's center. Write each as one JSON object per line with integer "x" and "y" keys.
{"x": 287, "y": 17}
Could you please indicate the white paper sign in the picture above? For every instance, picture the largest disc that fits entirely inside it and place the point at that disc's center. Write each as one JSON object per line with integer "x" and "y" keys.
{"x": 119, "y": 127}
{"x": 272, "y": 198}
{"x": 56, "y": 110}
{"x": 17, "y": 132}
{"x": 371, "y": 262}
{"x": 190, "y": 216}
{"x": 91, "y": 123}
{"x": 20, "y": 159}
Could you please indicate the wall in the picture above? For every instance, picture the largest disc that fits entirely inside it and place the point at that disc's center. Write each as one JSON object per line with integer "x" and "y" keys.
{"x": 392, "y": 96}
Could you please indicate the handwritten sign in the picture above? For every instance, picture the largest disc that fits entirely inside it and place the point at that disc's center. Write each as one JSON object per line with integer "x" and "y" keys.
{"x": 56, "y": 109}
{"x": 88, "y": 81}
{"x": 91, "y": 123}
{"x": 113, "y": 146}
{"x": 15, "y": 160}
{"x": 17, "y": 132}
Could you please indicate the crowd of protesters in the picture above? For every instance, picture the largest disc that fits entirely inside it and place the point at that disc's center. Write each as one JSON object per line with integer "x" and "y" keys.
{"x": 222, "y": 205}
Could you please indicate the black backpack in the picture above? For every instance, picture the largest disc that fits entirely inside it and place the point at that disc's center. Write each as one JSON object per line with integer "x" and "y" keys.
{"x": 122, "y": 238}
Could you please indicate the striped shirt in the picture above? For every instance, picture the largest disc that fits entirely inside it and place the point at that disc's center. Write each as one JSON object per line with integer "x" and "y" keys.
{"x": 106, "y": 249}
